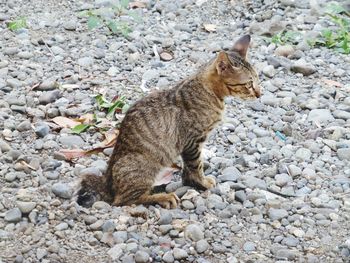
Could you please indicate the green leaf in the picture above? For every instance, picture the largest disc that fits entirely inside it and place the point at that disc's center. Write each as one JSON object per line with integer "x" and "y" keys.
{"x": 135, "y": 16}
{"x": 334, "y": 8}
{"x": 124, "y": 3}
{"x": 93, "y": 22}
{"x": 118, "y": 104}
{"x": 102, "y": 102}
{"x": 125, "y": 108}
{"x": 113, "y": 26}
{"x": 80, "y": 128}
{"x": 17, "y": 24}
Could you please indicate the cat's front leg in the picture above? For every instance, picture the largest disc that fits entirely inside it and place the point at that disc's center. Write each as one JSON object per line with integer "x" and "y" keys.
{"x": 193, "y": 169}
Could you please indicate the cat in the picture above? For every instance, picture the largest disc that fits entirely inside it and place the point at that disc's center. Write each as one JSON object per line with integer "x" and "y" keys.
{"x": 170, "y": 123}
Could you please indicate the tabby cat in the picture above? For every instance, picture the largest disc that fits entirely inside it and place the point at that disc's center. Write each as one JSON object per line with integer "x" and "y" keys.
{"x": 167, "y": 124}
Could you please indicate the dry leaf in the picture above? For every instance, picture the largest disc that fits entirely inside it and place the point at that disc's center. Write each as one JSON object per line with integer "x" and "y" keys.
{"x": 65, "y": 122}
{"x": 332, "y": 82}
{"x": 86, "y": 118}
{"x": 72, "y": 154}
{"x": 27, "y": 165}
{"x": 137, "y": 4}
{"x": 210, "y": 27}
{"x": 110, "y": 137}
{"x": 165, "y": 56}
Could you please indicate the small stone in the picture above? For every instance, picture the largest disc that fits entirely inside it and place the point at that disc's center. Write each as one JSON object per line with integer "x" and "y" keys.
{"x": 42, "y": 129}
{"x": 26, "y": 207}
{"x": 249, "y": 246}
{"x": 283, "y": 179}
{"x": 165, "y": 218}
{"x": 61, "y": 226}
{"x": 24, "y": 126}
{"x": 49, "y": 97}
{"x": 269, "y": 71}
{"x": 70, "y": 25}
{"x": 320, "y": 115}
{"x": 301, "y": 66}
{"x": 101, "y": 205}
{"x": 303, "y": 154}
{"x": 168, "y": 257}
{"x": 62, "y": 190}
{"x": 294, "y": 170}
{"x": 230, "y": 174}
{"x": 10, "y": 177}
{"x": 180, "y": 253}
{"x": 202, "y": 246}
{"x": 13, "y": 215}
{"x": 115, "y": 252}
{"x": 341, "y": 114}
{"x": 48, "y": 85}
{"x": 85, "y": 61}
{"x": 193, "y": 232}
{"x": 141, "y": 257}
{"x": 71, "y": 140}
{"x": 344, "y": 154}
{"x": 108, "y": 226}
{"x": 284, "y": 51}
{"x": 277, "y": 214}
{"x": 41, "y": 253}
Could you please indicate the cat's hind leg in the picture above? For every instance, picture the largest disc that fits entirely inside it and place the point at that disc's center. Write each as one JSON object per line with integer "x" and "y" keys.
{"x": 193, "y": 169}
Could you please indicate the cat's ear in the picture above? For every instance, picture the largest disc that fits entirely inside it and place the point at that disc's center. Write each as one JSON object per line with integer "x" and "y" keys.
{"x": 222, "y": 63}
{"x": 241, "y": 46}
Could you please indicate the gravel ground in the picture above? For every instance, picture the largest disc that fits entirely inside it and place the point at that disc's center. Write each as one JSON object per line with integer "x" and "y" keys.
{"x": 281, "y": 162}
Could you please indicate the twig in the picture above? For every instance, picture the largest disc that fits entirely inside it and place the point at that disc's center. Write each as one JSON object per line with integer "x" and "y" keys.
{"x": 46, "y": 45}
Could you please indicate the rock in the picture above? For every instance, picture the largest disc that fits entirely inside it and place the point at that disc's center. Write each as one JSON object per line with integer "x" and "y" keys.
{"x": 41, "y": 253}
{"x": 4, "y": 146}
{"x": 294, "y": 170}
{"x": 165, "y": 218}
{"x": 108, "y": 226}
{"x": 253, "y": 182}
{"x": 26, "y": 207}
{"x": 62, "y": 190}
{"x": 85, "y": 61}
{"x": 320, "y": 115}
{"x": 269, "y": 71}
{"x": 284, "y": 51}
{"x": 42, "y": 129}
{"x": 301, "y": 66}
{"x": 168, "y": 257}
{"x": 277, "y": 214}
{"x": 202, "y": 246}
{"x": 115, "y": 252}
{"x": 141, "y": 257}
{"x": 10, "y": 177}
{"x": 71, "y": 140}
{"x": 268, "y": 27}
{"x": 48, "y": 85}
{"x": 13, "y": 215}
{"x": 180, "y": 253}
{"x": 283, "y": 179}
{"x": 49, "y": 97}
{"x": 249, "y": 246}
{"x": 344, "y": 154}
{"x": 341, "y": 114}
{"x": 303, "y": 154}
{"x": 24, "y": 126}
{"x": 193, "y": 232}
{"x": 61, "y": 226}
{"x": 230, "y": 174}
{"x": 70, "y": 25}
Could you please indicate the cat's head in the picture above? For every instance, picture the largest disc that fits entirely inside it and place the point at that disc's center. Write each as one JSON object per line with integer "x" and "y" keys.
{"x": 237, "y": 75}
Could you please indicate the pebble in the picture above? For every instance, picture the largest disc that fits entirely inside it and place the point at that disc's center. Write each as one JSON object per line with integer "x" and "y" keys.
{"x": 277, "y": 214}
{"x": 62, "y": 190}
{"x": 344, "y": 153}
{"x": 202, "y": 246}
{"x": 26, "y": 207}
{"x": 193, "y": 232}
{"x": 320, "y": 115}
{"x": 301, "y": 66}
{"x": 71, "y": 140}
{"x": 249, "y": 246}
{"x": 13, "y": 215}
{"x": 141, "y": 257}
{"x": 180, "y": 253}
{"x": 285, "y": 51}
{"x": 42, "y": 129}
{"x": 230, "y": 174}
{"x": 168, "y": 257}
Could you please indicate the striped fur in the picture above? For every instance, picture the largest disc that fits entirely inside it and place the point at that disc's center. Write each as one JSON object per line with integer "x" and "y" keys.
{"x": 171, "y": 123}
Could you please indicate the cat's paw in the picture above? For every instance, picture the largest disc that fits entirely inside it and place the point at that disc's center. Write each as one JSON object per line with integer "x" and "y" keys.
{"x": 208, "y": 182}
{"x": 169, "y": 201}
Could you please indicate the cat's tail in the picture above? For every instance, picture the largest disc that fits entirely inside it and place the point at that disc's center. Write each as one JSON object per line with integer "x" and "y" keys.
{"x": 93, "y": 188}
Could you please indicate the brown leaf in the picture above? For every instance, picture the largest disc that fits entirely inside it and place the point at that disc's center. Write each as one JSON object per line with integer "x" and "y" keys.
{"x": 110, "y": 137}
{"x": 86, "y": 118}
{"x": 165, "y": 56}
{"x": 209, "y": 27}
{"x": 137, "y": 4}
{"x": 72, "y": 154}
{"x": 65, "y": 122}
{"x": 332, "y": 82}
